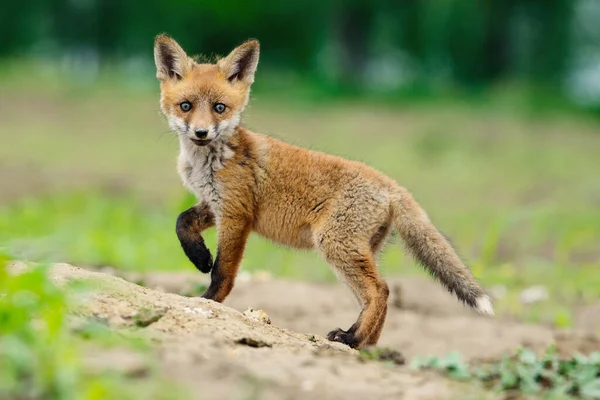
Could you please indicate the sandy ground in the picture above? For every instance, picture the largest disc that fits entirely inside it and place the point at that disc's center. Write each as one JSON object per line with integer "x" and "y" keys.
{"x": 219, "y": 351}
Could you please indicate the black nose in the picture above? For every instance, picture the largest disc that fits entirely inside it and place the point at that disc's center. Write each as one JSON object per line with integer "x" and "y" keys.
{"x": 201, "y": 133}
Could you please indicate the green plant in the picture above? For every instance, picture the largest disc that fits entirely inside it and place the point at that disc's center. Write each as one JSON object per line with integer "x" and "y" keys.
{"x": 451, "y": 364}
{"x": 42, "y": 355}
{"x": 34, "y": 337}
{"x": 527, "y": 373}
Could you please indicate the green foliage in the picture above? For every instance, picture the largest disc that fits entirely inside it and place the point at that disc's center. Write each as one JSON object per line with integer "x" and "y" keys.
{"x": 41, "y": 355}
{"x": 452, "y": 364}
{"x": 37, "y": 359}
{"x": 344, "y": 47}
{"x": 525, "y": 372}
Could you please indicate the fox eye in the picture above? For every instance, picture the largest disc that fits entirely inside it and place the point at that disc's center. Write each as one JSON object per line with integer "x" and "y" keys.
{"x": 186, "y": 106}
{"x": 219, "y": 108}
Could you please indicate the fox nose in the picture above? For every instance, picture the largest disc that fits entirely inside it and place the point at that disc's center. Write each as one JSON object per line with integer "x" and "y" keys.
{"x": 201, "y": 133}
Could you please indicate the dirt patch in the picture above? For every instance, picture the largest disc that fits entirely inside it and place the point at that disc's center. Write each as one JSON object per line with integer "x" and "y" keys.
{"x": 423, "y": 319}
{"x": 588, "y": 318}
{"x": 219, "y": 352}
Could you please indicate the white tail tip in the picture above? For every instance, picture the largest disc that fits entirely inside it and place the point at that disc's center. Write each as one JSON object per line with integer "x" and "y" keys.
{"x": 484, "y": 305}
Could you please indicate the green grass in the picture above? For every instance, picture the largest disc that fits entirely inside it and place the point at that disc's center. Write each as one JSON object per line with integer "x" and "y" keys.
{"x": 42, "y": 356}
{"x": 93, "y": 182}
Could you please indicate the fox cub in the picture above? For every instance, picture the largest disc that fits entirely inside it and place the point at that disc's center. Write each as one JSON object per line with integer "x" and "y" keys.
{"x": 245, "y": 182}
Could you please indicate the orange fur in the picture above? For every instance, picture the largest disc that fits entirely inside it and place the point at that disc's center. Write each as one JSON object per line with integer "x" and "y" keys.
{"x": 304, "y": 199}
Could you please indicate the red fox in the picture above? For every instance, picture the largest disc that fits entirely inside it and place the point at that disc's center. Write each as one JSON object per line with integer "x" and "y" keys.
{"x": 245, "y": 181}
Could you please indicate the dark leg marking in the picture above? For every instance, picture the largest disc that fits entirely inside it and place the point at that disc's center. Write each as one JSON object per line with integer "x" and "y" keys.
{"x": 190, "y": 225}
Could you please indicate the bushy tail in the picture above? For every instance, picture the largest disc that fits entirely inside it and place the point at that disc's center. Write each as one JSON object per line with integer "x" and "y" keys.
{"x": 436, "y": 254}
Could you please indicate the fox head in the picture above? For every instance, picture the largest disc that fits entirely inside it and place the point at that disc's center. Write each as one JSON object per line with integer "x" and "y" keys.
{"x": 204, "y": 102}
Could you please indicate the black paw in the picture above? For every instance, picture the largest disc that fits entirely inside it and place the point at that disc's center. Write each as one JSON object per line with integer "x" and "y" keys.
{"x": 340, "y": 335}
{"x": 199, "y": 255}
{"x": 209, "y": 295}
{"x": 212, "y": 293}
{"x": 192, "y": 243}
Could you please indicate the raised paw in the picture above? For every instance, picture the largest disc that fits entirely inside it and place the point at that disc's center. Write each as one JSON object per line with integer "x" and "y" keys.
{"x": 189, "y": 227}
{"x": 200, "y": 256}
{"x": 340, "y": 335}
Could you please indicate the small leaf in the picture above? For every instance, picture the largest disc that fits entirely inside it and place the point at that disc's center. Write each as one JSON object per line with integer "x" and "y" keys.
{"x": 433, "y": 362}
{"x": 527, "y": 356}
{"x": 460, "y": 373}
{"x": 591, "y": 390}
{"x": 586, "y": 374}
{"x": 580, "y": 358}
{"x": 594, "y": 358}
{"x": 450, "y": 360}
{"x": 563, "y": 319}
{"x": 508, "y": 379}
{"x": 418, "y": 362}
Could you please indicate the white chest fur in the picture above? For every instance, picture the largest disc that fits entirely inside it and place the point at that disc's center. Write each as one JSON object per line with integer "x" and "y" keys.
{"x": 197, "y": 168}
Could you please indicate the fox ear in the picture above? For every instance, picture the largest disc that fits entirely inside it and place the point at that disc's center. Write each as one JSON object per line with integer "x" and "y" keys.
{"x": 171, "y": 60}
{"x": 241, "y": 63}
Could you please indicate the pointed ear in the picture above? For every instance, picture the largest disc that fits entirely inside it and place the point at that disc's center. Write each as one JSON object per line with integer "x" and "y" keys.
{"x": 170, "y": 59}
{"x": 241, "y": 63}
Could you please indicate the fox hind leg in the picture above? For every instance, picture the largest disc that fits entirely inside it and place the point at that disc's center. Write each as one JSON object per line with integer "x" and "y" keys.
{"x": 355, "y": 265}
{"x": 374, "y": 338}
{"x": 379, "y": 237}
{"x": 362, "y": 277}
{"x": 377, "y": 241}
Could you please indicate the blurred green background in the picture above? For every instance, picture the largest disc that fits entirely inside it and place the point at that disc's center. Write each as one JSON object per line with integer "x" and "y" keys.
{"x": 487, "y": 110}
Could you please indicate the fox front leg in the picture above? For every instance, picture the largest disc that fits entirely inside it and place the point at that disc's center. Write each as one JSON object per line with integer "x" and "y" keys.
{"x": 232, "y": 236}
{"x": 190, "y": 225}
